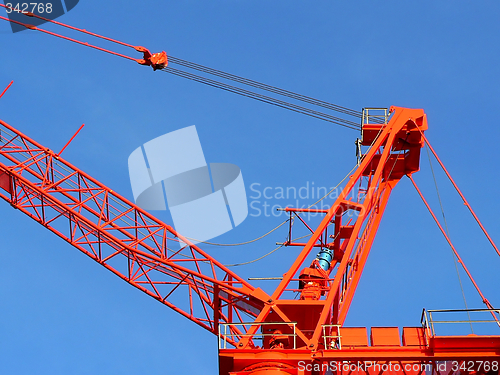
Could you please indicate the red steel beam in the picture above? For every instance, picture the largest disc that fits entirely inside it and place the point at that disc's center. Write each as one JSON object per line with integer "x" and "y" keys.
{"x": 138, "y": 248}
{"x": 459, "y": 258}
{"x": 380, "y": 169}
{"x": 119, "y": 235}
{"x": 462, "y": 196}
{"x": 156, "y": 61}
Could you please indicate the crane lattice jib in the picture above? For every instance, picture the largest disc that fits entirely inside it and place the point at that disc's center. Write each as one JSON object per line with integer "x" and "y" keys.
{"x": 257, "y": 332}
{"x": 139, "y": 248}
{"x": 120, "y": 236}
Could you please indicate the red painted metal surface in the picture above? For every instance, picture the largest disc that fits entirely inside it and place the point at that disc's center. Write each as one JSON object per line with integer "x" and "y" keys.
{"x": 156, "y": 61}
{"x": 394, "y": 152}
{"x": 296, "y": 336}
{"x": 135, "y": 246}
{"x": 120, "y": 236}
{"x": 258, "y": 333}
{"x": 459, "y": 258}
{"x": 5, "y": 90}
{"x": 462, "y": 196}
{"x": 436, "y": 356}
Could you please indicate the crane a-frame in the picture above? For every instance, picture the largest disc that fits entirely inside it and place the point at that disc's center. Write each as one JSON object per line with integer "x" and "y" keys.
{"x": 259, "y": 333}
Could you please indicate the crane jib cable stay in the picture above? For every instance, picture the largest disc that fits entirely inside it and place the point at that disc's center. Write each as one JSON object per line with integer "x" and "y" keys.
{"x": 299, "y": 324}
{"x": 159, "y": 61}
{"x": 113, "y": 231}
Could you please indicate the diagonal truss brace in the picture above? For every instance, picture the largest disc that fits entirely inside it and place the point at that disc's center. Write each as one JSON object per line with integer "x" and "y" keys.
{"x": 123, "y": 238}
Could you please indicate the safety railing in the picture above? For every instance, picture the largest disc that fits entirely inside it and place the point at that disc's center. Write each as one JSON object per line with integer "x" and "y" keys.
{"x": 469, "y": 317}
{"x": 227, "y": 332}
{"x": 375, "y": 115}
{"x": 332, "y": 336}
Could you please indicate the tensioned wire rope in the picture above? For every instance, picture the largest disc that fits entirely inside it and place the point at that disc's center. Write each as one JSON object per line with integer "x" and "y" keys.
{"x": 269, "y": 100}
{"x": 448, "y": 233}
{"x": 287, "y": 220}
{"x": 217, "y": 73}
{"x": 264, "y": 86}
{"x": 291, "y": 218}
{"x": 264, "y": 98}
{"x": 243, "y": 92}
{"x": 237, "y": 90}
{"x": 234, "y": 244}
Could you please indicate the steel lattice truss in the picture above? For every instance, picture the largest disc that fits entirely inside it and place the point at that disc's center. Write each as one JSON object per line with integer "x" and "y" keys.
{"x": 120, "y": 236}
{"x": 154, "y": 258}
{"x": 394, "y": 152}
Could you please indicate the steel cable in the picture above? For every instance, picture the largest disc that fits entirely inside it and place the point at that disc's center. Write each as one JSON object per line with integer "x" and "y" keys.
{"x": 263, "y": 98}
{"x": 264, "y": 86}
{"x": 448, "y": 233}
{"x": 221, "y": 74}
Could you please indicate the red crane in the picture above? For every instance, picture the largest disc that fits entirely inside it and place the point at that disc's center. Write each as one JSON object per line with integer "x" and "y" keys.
{"x": 299, "y": 328}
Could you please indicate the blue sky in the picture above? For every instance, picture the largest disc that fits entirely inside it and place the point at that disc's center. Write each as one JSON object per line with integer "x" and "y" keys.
{"x": 62, "y": 313}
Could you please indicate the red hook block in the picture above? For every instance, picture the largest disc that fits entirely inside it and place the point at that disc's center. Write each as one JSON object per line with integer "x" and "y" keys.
{"x": 156, "y": 61}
